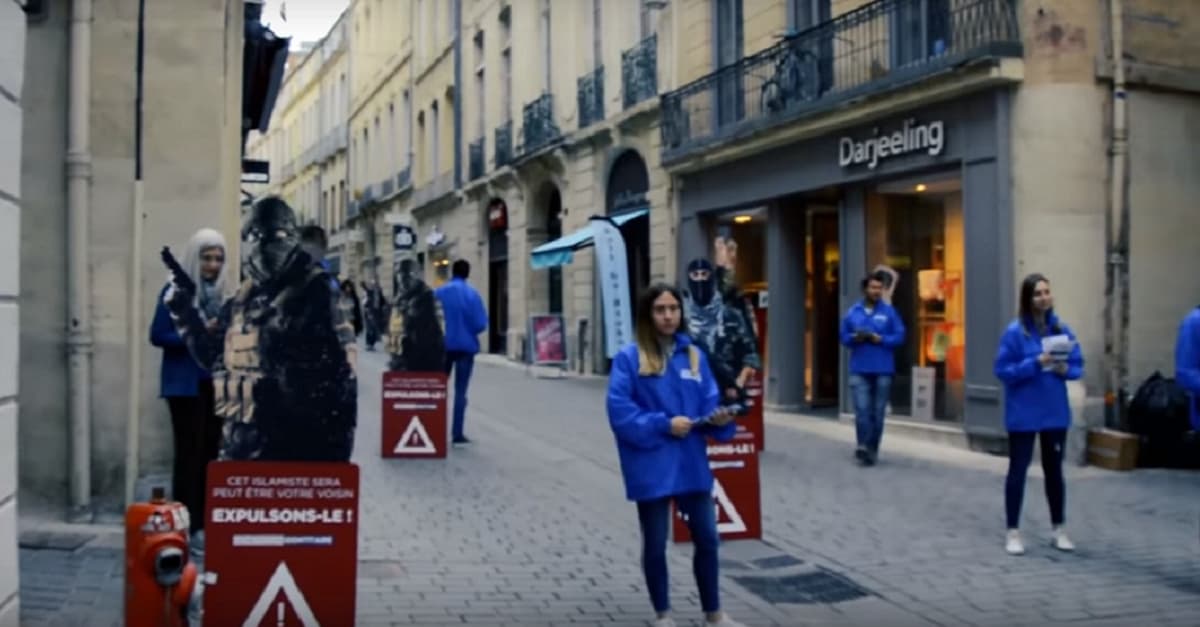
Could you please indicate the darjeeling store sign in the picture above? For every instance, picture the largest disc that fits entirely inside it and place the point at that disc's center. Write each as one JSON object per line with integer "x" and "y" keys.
{"x": 911, "y": 137}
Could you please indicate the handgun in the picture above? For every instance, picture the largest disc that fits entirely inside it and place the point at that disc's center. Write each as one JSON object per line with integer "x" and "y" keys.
{"x": 181, "y": 277}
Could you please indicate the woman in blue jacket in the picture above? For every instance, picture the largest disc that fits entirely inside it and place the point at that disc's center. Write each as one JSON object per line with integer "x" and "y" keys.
{"x": 660, "y": 393}
{"x": 185, "y": 385}
{"x": 1035, "y": 404}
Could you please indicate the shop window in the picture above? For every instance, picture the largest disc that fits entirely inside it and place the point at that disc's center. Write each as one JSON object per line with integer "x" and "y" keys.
{"x": 916, "y": 230}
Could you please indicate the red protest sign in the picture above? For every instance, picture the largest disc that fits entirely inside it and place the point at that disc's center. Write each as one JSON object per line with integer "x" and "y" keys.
{"x": 414, "y": 414}
{"x": 753, "y": 420}
{"x": 735, "y": 491}
{"x": 281, "y": 544}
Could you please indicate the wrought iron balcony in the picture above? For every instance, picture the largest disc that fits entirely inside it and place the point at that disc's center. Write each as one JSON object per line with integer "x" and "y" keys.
{"x": 386, "y": 187}
{"x": 504, "y": 144}
{"x": 476, "y": 159}
{"x": 639, "y": 72}
{"x": 404, "y": 178}
{"x": 874, "y": 49}
{"x": 368, "y": 194}
{"x": 590, "y": 92}
{"x": 539, "y": 129}
{"x": 352, "y": 210}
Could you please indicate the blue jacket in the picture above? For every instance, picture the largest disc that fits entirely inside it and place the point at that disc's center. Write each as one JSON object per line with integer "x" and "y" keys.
{"x": 867, "y": 357}
{"x": 1187, "y": 362}
{"x": 333, "y": 282}
{"x": 1034, "y": 399}
{"x": 180, "y": 375}
{"x": 654, "y": 463}
{"x": 464, "y": 314}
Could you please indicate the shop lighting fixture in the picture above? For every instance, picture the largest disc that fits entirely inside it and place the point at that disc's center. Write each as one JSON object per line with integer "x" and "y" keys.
{"x": 742, "y": 219}
{"x": 921, "y": 187}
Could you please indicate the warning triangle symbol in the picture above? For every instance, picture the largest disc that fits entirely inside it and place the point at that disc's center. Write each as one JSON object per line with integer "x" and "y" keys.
{"x": 733, "y": 522}
{"x": 415, "y": 439}
{"x": 281, "y": 581}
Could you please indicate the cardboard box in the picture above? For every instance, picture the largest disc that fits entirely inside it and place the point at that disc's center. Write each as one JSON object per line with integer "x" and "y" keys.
{"x": 1114, "y": 450}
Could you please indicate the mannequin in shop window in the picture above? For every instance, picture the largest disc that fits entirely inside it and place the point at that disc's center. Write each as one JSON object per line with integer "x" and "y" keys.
{"x": 722, "y": 329}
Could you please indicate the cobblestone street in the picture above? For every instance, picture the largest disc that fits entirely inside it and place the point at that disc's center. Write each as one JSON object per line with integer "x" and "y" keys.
{"x": 529, "y": 526}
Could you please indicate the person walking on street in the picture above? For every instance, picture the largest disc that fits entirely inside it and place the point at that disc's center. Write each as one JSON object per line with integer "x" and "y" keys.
{"x": 187, "y": 387}
{"x": 465, "y": 318}
{"x": 350, "y": 295}
{"x": 375, "y": 312}
{"x": 1187, "y": 363}
{"x": 872, "y": 330}
{"x": 1038, "y": 354}
{"x": 662, "y": 403}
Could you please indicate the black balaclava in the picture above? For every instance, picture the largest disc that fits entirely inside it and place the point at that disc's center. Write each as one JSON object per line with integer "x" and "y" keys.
{"x": 702, "y": 291}
{"x": 408, "y": 276}
{"x": 270, "y": 240}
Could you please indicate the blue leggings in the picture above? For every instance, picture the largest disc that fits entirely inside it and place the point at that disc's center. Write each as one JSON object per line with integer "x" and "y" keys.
{"x": 701, "y": 514}
{"x": 1020, "y": 453}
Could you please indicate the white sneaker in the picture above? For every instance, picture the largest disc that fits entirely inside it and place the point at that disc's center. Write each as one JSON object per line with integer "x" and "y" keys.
{"x": 665, "y": 622}
{"x": 724, "y": 622}
{"x": 1013, "y": 544}
{"x": 1061, "y": 541}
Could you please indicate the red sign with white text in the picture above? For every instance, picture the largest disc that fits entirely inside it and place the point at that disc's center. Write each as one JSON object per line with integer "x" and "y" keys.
{"x": 753, "y": 420}
{"x": 735, "y": 490}
{"x": 281, "y": 544}
{"x": 414, "y": 414}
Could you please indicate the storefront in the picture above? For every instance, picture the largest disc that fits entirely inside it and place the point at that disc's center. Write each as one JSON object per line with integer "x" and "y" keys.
{"x": 924, "y": 195}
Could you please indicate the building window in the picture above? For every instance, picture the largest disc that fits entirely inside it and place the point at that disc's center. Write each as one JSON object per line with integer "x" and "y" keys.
{"x": 376, "y": 157}
{"x": 435, "y": 148}
{"x": 391, "y": 140}
{"x": 480, "y": 87}
{"x": 597, "y": 34}
{"x": 422, "y": 140}
{"x": 505, "y": 65}
{"x": 408, "y": 130}
{"x": 364, "y": 170}
{"x": 915, "y": 229}
{"x": 649, "y": 16}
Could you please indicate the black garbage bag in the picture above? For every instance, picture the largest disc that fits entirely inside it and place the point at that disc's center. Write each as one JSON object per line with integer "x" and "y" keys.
{"x": 1160, "y": 416}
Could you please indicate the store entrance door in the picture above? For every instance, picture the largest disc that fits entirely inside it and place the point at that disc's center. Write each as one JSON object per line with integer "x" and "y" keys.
{"x": 823, "y": 315}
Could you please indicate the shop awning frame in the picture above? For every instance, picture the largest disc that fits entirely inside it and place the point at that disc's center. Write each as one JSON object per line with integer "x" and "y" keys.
{"x": 561, "y": 251}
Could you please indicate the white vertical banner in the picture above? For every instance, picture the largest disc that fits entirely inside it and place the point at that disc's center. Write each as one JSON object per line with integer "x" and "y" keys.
{"x": 613, "y": 272}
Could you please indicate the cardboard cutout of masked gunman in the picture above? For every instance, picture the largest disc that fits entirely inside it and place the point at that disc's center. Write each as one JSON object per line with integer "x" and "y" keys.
{"x": 721, "y": 329}
{"x": 415, "y": 336}
{"x": 284, "y": 378}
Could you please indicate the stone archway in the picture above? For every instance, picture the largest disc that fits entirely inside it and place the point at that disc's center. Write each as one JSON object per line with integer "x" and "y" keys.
{"x": 627, "y": 189}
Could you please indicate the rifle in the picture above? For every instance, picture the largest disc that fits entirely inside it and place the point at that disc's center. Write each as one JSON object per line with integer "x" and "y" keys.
{"x": 181, "y": 278}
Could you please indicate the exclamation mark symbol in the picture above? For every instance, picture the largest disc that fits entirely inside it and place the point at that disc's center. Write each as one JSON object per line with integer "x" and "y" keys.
{"x": 279, "y": 613}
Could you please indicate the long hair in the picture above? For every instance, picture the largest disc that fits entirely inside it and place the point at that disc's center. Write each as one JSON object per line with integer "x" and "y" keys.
{"x": 201, "y": 241}
{"x": 651, "y": 359}
{"x": 1025, "y": 310}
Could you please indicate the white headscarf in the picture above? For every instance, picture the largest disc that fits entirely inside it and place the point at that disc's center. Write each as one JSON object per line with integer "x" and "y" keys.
{"x": 201, "y": 241}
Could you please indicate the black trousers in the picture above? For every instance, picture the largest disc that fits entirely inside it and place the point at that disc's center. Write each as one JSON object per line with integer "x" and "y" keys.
{"x": 197, "y": 442}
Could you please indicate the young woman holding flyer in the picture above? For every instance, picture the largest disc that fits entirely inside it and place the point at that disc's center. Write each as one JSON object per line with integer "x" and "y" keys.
{"x": 1038, "y": 354}
{"x": 662, "y": 402}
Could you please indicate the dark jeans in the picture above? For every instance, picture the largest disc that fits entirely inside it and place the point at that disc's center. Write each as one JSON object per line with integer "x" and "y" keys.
{"x": 701, "y": 514}
{"x": 871, "y": 394}
{"x": 1020, "y": 453}
{"x": 197, "y": 432}
{"x": 462, "y": 364}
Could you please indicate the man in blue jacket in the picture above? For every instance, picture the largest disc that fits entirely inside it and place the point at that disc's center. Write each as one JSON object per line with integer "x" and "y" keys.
{"x": 872, "y": 330}
{"x": 465, "y": 318}
{"x": 1187, "y": 362}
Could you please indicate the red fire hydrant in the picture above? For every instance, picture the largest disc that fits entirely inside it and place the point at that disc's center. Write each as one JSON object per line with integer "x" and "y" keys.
{"x": 159, "y": 574}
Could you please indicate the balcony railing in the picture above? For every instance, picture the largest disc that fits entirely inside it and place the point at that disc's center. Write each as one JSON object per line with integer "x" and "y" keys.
{"x": 440, "y": 186}
{"x": 504, "y": 144}
{"x": 639, "y": 72}
{"x": 873, "y": 49}
{"x": 368, "y": 194}
{"x": 476, "y": 159}
{"x": 540, "y": 129}
{"x": 590, "y": 92}
{"x": 352, "y": 209}
{"x": 404, "y": 178}
{"x": 386, "y": 187}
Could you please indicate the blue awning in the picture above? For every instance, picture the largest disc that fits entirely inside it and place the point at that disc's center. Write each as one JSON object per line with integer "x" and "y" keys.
{"x": 561, "y": 251}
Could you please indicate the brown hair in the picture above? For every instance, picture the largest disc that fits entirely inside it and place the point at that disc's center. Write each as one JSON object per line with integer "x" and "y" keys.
{"x": 651, "y": 360}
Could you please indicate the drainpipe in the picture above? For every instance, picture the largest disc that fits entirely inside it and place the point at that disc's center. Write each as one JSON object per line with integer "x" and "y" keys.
{"x": 1117, "y": 301}
{"x": 134, "y": 318}
{"x": 458, "y": 95}
{"x": 79, "y": 280}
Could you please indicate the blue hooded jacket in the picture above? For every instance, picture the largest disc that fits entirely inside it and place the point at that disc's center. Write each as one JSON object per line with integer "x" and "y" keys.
{"x": 867, "y": 357}
{"x": 1034, "y": 399}
{"x": 465, "y": 317}
{"x": 180, "y": 375}
{"x": 654, "y": 463}
{"x": 1187, "y": 362}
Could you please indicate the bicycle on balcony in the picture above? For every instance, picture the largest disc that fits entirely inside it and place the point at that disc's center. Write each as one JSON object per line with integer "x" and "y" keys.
{"x": 795, "y": 79}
